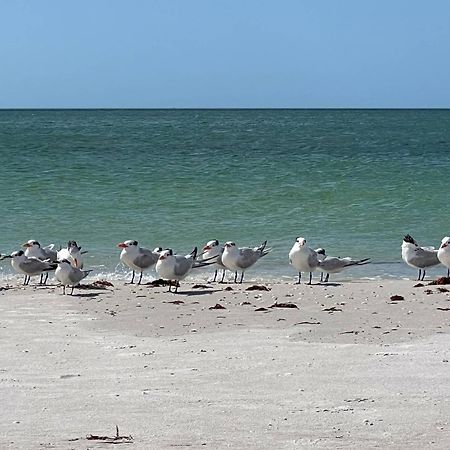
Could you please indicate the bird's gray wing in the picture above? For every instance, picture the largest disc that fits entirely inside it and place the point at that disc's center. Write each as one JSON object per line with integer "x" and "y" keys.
{"x": 76, "y": 275}
{"x": 50, "y": 254}
{"x": 332, "y": 263}
{"x": 424, "y": 258}
{"x": 34, "y": 265}
{"x": 182, "y": 265}
{"x": 146, "y": 259}
{"x": 247, "y": 257}
{"x": 313, "y": 261}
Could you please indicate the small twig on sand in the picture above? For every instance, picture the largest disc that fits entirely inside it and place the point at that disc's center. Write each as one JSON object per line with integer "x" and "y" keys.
{"x": 117, "y": 439}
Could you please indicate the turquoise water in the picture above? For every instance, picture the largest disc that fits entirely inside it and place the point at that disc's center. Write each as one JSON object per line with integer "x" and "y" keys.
{"x": 352, "y": 181}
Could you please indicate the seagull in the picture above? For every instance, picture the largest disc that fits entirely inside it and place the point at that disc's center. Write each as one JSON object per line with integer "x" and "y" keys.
{"x": 34, "y": 250}
{"x": 176, "y": 267}
{"x": 138, "y": 259}
{"x": 303, "y": 258}
{"x": 321, "y": 255}
{"x": 444, "y": 253}
{"x": 28, "y": 266}
{"x": 213, "y": 249}
{"x": 73, "y": 254}
{"x": 240, "y": 259}
{"x": 68, "y": 275}
{"x": 333, "y": 264}
{"x": 418, "y": 257}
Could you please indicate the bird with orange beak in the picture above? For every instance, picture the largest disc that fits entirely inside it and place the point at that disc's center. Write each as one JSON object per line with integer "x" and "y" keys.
{"x": 213, "y": 249}
{"x": 138, "y": 259}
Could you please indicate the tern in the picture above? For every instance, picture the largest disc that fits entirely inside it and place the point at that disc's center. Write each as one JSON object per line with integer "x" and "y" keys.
{"x": 73, "y": 254}
{"x": 138, "y": 259}
{"x": 333, "y": 264}
{"x": 444, "y": 253}
{"x": 418, "y": 257}
{"x": 321, "y": 255}
{"x": 29, "y": 267}
{"x": 303, "y": 258}
{"x": 68, "y": 275}
{"x": 213, "y": 249}
{"x": 175, "y": 268}
{"x": 241, "y": 259}
{"x": 34, "y": 250}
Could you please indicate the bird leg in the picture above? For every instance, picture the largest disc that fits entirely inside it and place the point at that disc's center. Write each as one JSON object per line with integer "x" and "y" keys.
{"x": 423, "y": 275}
{"x": 177, "y": 285}
{"x": 46, "y": 278}
{"x": 310, "y": 277}
{"x": 170, "y": 285}
{"x": 299, "y": 278}
{"x": 223, "y": 276}
{"x": 420, "y": 272}
{"x": 321, "y": 277}
{"x": 242, "y": 277}
{"x": 132, "y": 278}
{"x": 235, "y": 276}
{"x": 64, "y": 289}
{"x": 140, "y": 278}
{"x": 327, "y": 278}
{"x": 41, "y": 279}
{"x": 71, "y": 292}
{"x": 215, "y": 276}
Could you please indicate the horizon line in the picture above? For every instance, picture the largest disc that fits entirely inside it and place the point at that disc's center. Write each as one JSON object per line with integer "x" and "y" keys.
{"x": 243, "y": 108}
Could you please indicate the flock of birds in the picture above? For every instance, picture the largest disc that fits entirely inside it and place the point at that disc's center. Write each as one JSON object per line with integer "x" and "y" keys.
{"x": 68, "y": 262}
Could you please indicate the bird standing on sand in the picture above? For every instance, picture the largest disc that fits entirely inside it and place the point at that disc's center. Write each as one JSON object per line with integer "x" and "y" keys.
{"x": 303, "y": 258}
{"x": 34, "y": 250}
{"x": 444, "y": 253}
{"x": 418, "y": 257}
{"x": 73, "y": 254}
{"x": 68, "y": 275}
{"x": 333, "y": 264}
{"x": 241, "y": 259}
{"x": 138, "y": 259}
{"x": 29, "y": 267}
{"x": 175, "y": 268}
{"x": 214, "y": 249}
{"x": 321, "y": 255}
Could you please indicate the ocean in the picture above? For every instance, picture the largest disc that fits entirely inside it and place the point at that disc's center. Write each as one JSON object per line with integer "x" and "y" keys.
{"x": 351, "y": 181}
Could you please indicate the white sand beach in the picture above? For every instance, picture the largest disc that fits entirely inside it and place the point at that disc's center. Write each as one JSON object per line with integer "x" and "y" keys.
{"x": 347, "y": 368}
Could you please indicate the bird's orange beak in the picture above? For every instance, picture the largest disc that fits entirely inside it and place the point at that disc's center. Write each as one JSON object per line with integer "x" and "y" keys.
{"x": 121, "y": 245}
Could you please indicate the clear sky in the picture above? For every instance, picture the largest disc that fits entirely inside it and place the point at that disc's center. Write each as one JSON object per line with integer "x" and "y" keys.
{"x": 228, "y": 53}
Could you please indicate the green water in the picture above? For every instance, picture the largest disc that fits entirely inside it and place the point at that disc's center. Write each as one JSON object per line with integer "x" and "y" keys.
{"x": 352, "y": 181}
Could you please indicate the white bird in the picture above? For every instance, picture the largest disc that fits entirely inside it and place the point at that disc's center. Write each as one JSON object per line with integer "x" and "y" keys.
{"x": 34, "y": 250}
{"x": 73, "y": 254}
{"x": 213, "y": 249}
{"x": 138, "y": 259}
{"x": 175, "y": 268}
{"x": 418, "y": 257}
{"x": 241, "y": 259}
{"x": 303, "y": 258}
{"x": 333, "y": 264}
{"x": 444, "y": 253}
{"x": 68, "y": 275}
{"x": 29, "y": 267}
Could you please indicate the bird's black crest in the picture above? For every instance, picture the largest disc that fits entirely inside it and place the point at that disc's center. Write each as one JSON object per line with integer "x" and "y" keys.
{"x": 408, "y": 238}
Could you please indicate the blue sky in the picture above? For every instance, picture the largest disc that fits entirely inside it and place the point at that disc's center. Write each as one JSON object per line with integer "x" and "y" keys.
{"x": 229, "y": 53}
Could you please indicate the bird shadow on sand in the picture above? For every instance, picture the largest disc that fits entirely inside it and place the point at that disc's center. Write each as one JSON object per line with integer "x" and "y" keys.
{"x": 87, "y": 294}
{"x": 199, "y": 292}
{"x": 329, "y": 284}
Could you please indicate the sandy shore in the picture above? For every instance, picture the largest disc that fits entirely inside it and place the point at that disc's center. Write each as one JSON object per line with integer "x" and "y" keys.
{"x": 347, "y": 368}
